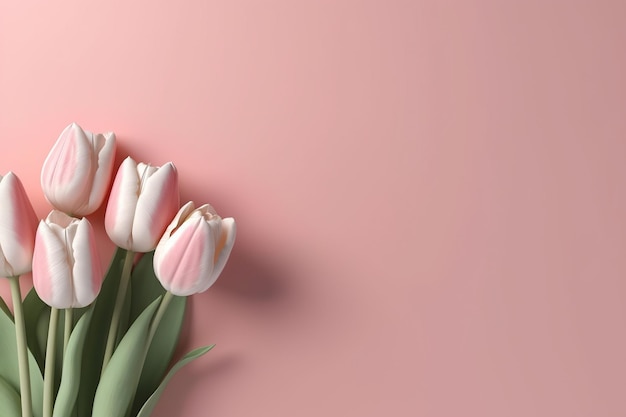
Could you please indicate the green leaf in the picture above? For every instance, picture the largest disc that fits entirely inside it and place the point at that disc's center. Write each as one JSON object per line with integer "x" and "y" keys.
{"x": 34, "y": 310}
{"x": 71, "y": 376}
{"x": 148, "y": 407}
{"x": 146, "y": 285}
{"x": 41, "y": 334}
{"x": 125, "y": 320}
{"x": 10, "y": 405}
{"x": 9, "y": 370}
{"x": 37, "y": 318}
{"x": 5, "y": 308}
{"x": 146, "y": 288}
{"x": 95, "y": 342}
{"x": 119, "y": 380}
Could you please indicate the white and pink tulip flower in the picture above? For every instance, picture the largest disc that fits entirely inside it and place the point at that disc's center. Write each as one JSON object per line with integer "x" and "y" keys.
{"x": 77, "y": 172}
{"x": 18, "y": 224}
{"x": 67, "y": 272}
{"x": 193, "y": 250}
{"x": 143, "y": 201}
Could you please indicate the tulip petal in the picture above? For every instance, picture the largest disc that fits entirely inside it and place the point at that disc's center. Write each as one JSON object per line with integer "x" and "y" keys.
{"x": 18, "y": 224}
{"x": 104, "y": 147}
{"x": 120, "y": 211}
{"x": 87, "y": 270}
{"x": 50, "y": 269}
{"x": 224, "y": 248}
{"x": 67, "y": 172}
{"x": 187, "y": 258}
{"x": 158, "y": 203}
{"x": 180, "y": 217}
{"x": 207, "y": 208}
{"x": 59, "y": 220}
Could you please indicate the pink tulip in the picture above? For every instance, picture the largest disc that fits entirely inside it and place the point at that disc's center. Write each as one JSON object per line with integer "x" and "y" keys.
{"x": 193, "y": 250}
{"x": 67, "y": 272}
{"x": 143, "y": 200}
{"x": 77, "y": 172}
{"x": 18, "y": 224}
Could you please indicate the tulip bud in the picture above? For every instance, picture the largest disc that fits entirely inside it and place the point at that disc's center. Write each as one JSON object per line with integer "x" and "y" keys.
{"x": 143, "y": 200}
{"x": 18, "y": 223}
{"x": 193, "y": 250}
{"x": 77, "y": 172}
{"x": 67, "y": 272}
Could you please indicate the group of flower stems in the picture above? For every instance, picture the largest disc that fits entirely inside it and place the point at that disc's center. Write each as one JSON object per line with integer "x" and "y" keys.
{"x": 191, "y": 244}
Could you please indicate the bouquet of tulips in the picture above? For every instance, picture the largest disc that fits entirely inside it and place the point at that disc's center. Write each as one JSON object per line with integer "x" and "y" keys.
{"x": 85, "y": 343}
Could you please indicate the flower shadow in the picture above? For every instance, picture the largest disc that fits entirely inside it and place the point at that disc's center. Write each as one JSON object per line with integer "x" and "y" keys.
{"x": 256, "y": 287}
{"x": 252, "y": 278}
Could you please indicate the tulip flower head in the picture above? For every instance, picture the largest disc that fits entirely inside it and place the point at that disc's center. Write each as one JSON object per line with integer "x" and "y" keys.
{"x": 193, "y": 250}
{"x": 67, "y": 272}
{"x": 18, "y": 223}
{"x": 143, "y": 201}
{"x": 77, "y": 172}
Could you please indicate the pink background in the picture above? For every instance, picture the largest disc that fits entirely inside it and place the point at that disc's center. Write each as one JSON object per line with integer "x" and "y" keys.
{"x": 431, "y": 195}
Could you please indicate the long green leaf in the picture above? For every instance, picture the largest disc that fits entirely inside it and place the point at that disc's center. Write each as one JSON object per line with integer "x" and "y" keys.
{"x": 119, "y": 380}
{"x": 41, "y": 334}
{"x": 34, "y": 310}
{"x": 71, "y": 376}
{"x": 9, "y": 371}
{"x": 37, "y": 318}
{"x": 146, "y": 288}
{"x": 146, "y": 285}
{"x": 96, "y": 335}
{"x": 148, "y": 407}
{"x": 125, "y": 319}
{"x": 5, "y": 309}
{"x": 9, "y": 401}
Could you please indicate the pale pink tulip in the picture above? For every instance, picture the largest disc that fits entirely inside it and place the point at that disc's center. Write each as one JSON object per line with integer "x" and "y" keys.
{"x": 193, "y": 250}
{"x": 77, "y": 172}
{"x": 143, "y": 200}
{"x": 18, "y": 223}
{"x": 67, "y": 272}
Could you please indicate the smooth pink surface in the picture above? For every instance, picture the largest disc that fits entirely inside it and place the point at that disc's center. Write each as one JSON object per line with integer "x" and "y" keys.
{"x": 430, "y": 195}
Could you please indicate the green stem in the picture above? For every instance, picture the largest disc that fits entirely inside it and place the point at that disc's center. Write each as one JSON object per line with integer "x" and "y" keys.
{"x": 158, "y": 316}
{"x": 69, "y": 323}
{"x": 22, "y": 349}
{"x": 48, "y": 379}
{"x": 154, "y": 325}
{"x": 117, "y": 309}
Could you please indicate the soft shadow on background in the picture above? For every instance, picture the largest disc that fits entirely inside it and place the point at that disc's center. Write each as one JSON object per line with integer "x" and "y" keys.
{"x": 252, "y": 287}
{"x": 253, "y": 279}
